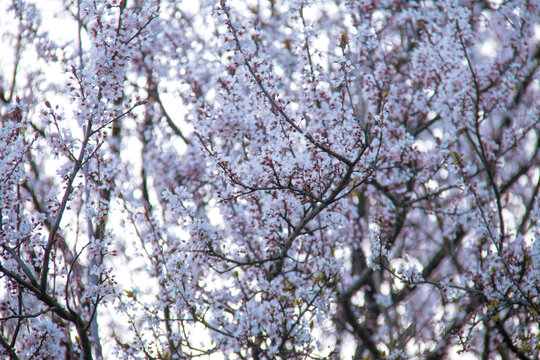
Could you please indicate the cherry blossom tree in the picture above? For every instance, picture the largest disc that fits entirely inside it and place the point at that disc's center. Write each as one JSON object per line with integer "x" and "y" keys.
{"x": 269, "y": 179}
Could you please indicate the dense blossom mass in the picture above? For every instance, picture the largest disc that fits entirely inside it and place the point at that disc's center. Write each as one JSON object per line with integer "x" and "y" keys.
{"x": 269, "y": 179}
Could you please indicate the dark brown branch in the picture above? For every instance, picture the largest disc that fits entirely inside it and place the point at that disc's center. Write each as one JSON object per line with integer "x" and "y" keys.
{"x": 508, "y": 341}
{"x": 10, "y": 350}
{"x": 360, "y": 331}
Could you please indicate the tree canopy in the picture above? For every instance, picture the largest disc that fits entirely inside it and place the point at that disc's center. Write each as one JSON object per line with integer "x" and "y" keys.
{"x": 269, "y": 179}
